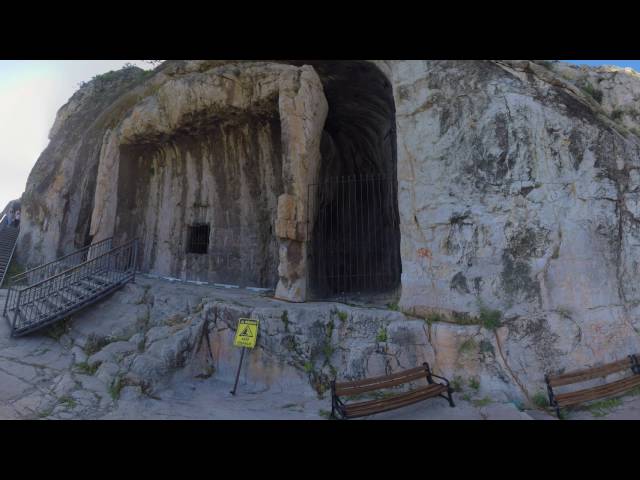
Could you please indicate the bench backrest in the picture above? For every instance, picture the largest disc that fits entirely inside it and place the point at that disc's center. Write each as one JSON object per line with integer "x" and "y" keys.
{"x": 376, "y": 383}
{"x": 591, "y": 373}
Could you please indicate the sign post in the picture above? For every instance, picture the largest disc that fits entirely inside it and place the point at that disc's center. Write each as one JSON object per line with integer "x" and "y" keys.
{"x": 246, "y": 336}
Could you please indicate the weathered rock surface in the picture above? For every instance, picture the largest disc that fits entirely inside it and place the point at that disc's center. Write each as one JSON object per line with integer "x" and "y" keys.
{"x": 518, "y": 199}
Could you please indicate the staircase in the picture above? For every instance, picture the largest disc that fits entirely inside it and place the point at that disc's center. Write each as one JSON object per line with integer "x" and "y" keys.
{"x": 8, "y": 237}
{"x": 49, "y": 293}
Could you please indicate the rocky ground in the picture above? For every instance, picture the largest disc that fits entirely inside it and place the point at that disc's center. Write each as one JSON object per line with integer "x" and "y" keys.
{"x": 134, "y": 356}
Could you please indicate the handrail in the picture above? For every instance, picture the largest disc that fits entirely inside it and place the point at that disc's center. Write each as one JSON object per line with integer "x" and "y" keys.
{"x": 19, "y": 277}
{"x": 118, "y": 266}
{"x": 9, "y": 259}
{"x": 77, "y": 267}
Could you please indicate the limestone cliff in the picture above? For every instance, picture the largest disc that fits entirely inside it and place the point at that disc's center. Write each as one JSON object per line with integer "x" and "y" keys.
{"x": 518, "y": 191}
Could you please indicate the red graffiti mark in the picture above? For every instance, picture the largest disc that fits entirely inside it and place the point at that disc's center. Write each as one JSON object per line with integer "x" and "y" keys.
{"x": 424, "y": 253}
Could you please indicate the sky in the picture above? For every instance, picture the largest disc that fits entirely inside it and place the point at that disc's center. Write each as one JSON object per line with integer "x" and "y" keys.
{"x": 32, "y": 91}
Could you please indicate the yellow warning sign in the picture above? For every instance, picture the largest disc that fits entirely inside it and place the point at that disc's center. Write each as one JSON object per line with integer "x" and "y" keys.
{"x": 247, "y": 333}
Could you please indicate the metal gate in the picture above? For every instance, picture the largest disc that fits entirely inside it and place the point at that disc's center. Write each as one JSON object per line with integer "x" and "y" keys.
{"x": 354, "y": 236}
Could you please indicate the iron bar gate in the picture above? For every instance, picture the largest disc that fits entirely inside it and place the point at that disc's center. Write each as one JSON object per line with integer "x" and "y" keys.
{"x": 354, "y": 235}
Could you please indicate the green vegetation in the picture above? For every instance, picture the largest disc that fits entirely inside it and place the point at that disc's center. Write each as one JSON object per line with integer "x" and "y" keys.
{"x": 540, "y": 400}
{"x": 116, "y": 387}
{"x": 486, "y": 347}
{"x": 457, "y": 383}
{"x": 57, "y": 330}
{"x": 468, "y": 346}
{"x": 45, "y": 413}
{"x": 433, "y": 317}
{"x": 490, "y": 319}
{"x": 308, "y": 367}
{"x": 393, "y": 306}
{"x": 285, "y": 320}
{"x": 604, "y": 407}
{"x": 474, "y": 383}
{"x": 382, "y": 335}
{"x": 343, "y": 316}
{"x": 546, "y": 64}
{"x": 593, "y": 92}
{"x": 483, "y": 402}
{"x": 86, "y": 369}
{"x": 324, "y": 413}
{"x": 67, "y": 401}
{"x": 634, "y": 392}
{"x": 95, "y": 343}
{"x": 327, "y": 350}
{"x": 617, "y": 114}
{"x": 14, "y": 269}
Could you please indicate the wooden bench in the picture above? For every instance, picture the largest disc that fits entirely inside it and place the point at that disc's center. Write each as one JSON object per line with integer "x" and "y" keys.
{"x": 631, "y": 365}
{"x": 391, "y": 402}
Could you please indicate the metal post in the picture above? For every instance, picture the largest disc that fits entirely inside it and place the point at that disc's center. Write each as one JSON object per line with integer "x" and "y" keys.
{"x": 235, "y": 385}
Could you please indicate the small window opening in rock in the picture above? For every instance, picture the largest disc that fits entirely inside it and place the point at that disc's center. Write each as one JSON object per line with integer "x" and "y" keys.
{"x": 198, "y": 241}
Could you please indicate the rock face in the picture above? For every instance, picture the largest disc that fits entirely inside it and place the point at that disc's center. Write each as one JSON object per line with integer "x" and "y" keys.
{"x": 518, "y": 192}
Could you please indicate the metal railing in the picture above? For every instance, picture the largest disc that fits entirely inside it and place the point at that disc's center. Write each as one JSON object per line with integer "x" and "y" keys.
{"x": 3, "y": 227}
{"x": 354, "y": 235}
{"x": 54, "y": 298}
{"x": 61, "y": 264}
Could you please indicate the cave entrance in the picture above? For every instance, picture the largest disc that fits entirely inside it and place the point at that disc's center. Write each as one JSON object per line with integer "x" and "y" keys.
{"x": 353, "y": 208}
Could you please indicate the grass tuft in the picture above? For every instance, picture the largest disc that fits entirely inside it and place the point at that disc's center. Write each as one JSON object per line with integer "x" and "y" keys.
{"x": 540, "y": 400}
{"x": 490, "y": 319}
{"x": 604, "y": 407}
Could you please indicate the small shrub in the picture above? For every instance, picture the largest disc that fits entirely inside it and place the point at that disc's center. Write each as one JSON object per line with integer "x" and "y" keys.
{"x": 308, "y": 367}
{"x": 593, "y": 92}
{"x": 457, "y": 383}
{"x": 95, "y": 343}
{"x": 490, "y": 319}
{"x": 617, "y": 114}
{"x": 634, "y": 392}
{"x": 604, "y": 407}
{"x": 546, "y": 64}
{"x": 540, "y": 400}
{"x": 382, "y": 335}
{"x": 327, "y": 350}
{"x": 67, "y": 401}
{"x": 343, "y": 316}
{"x": 57, "y": 330}
{"x": 474, "y": 383}
{"x": 468, "y": 346}
{"x": 486, "y": 347}
{"x": 116, "y": 387}
{"x": 14, "y": 269}
{"x": 324, "y": 414}
{"x": 393, "y": 306}
{"x": 86, "y": 369}
{"x": 432, "y": 318}
{"x": 483, "y": 402}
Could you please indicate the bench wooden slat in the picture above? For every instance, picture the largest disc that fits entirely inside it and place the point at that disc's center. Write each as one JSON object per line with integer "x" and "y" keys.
{"x": 380, "y": 384}
{"x": 381, "y": 378}
{"x": 382, "y": 405}
{"x": 378, "y": 405}
{"x": 589, "y": 374}
{"x": 601, "y": 391}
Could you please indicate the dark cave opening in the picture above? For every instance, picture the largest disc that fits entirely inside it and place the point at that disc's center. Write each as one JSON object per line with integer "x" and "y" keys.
{"x": 355, "y": 236}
